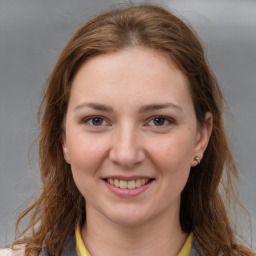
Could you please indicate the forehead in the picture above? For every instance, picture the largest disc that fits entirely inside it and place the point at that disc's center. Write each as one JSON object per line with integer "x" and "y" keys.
{"x": 139, "y": 74}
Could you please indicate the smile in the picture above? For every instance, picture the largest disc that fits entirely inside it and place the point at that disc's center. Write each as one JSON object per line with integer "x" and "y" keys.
{"x": 131, "y": 184}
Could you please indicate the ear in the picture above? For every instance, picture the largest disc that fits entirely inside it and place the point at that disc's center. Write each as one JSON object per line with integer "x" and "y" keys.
{"x": 202, "y": 138}
{"x": 65, "y": 149}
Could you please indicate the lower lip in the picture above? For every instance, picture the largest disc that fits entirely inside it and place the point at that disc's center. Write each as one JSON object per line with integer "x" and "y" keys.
{"x": 125, "y": 192}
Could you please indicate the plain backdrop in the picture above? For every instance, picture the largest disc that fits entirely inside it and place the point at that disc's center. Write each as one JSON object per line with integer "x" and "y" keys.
{"x": 32, "y": 35}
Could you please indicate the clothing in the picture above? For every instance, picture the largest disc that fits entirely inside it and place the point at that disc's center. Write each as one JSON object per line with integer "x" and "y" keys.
{"x": 80, "y": 247}
{"x": 82, "y": 251}
{"x": 70, "y": 249}
{"x": 20, "y": 251}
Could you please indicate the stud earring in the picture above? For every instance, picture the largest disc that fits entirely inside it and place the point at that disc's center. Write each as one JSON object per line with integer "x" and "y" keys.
{"x": 198, "y": 159}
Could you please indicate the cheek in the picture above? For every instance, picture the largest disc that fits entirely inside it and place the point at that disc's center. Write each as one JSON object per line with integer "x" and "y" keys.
{"x": 86, "y": 153}
{"x": 86, "y": 156}
{"x": 173, "y": 154}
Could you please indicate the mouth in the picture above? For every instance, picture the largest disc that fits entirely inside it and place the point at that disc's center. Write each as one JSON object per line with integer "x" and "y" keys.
{"x": 128, "y": 184}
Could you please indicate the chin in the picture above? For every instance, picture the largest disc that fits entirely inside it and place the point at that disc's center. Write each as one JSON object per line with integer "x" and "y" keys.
{"x": 127, "y": 217}
{"x": 128, "y": 221}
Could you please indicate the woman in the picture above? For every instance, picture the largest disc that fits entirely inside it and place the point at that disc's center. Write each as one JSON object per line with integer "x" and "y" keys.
{"x": 133, "y": 153}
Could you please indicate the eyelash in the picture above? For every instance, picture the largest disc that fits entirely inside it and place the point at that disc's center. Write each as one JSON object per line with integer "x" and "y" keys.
{"x": 165, "y": 119}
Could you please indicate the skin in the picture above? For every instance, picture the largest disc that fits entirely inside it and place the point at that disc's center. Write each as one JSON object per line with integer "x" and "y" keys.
{"x": 127, "y": 142}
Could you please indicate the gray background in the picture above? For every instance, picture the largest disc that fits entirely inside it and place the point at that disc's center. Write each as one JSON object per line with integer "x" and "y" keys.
{"x": 32, "y": 34}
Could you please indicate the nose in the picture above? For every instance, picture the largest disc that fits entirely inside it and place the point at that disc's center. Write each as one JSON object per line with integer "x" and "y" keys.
{"x": 126, "y": 149}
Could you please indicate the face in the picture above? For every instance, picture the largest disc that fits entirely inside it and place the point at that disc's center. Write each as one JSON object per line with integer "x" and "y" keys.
{"x": 131, "y": 135}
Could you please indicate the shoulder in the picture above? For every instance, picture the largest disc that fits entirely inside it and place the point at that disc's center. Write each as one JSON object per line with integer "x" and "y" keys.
{"x": 10, "y": 252}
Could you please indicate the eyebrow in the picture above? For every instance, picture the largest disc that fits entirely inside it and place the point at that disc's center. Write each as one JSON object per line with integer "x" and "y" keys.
{"x": 142, "y": 109}
{"x": 95, "y": 106}
{"x": 157, "y": 106}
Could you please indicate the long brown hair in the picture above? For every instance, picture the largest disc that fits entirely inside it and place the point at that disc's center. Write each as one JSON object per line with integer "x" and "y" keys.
{"x": 211, "y": 188}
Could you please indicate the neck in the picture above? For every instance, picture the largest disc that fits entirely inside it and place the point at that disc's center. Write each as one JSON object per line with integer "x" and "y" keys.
{"x": 160, "y": 236}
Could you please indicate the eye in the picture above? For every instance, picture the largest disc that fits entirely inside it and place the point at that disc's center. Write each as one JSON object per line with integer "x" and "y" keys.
{"x": 160, "y": 121}
{"x": 95, "y": 121}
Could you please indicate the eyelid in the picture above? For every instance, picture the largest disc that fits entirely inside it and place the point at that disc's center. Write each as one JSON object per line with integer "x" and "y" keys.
{"x": 89, "y": 118}
{"x": 168, "y": 119}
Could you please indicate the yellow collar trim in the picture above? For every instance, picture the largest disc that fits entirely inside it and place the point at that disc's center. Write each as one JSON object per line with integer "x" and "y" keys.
{"x": 82, "y": 251}
{"x": 80, "y": 247}
{"x": 185, "y": 250}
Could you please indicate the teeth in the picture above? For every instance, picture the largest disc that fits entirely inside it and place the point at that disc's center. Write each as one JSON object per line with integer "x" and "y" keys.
{"x": 137, "y": 183}
{"x": 116, "y": 183}
{"x": 131, "y": 184}
{"x": 123, "y": 184}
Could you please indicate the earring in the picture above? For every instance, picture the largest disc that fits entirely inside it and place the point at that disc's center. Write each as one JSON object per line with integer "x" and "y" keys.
{"x": 198, "y": 159}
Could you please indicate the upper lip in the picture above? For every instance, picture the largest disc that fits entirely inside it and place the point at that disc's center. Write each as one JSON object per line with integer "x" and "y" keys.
{"x": 127, "y": 178}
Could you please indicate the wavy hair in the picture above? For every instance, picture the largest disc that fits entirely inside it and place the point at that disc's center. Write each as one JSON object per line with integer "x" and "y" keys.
{"x": 210, "y": 194}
